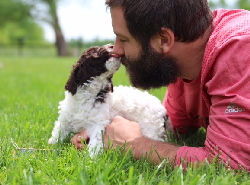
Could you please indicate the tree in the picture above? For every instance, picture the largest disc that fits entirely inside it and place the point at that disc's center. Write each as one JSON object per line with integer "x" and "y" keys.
{"x": 217, "y": 3}
{"x": 51, "y": 18}
{"x": 243, "y": 4}
{"x": 13, "y": 11}
{"x": 27, "y": 30}
{"x": 17, "y": 26}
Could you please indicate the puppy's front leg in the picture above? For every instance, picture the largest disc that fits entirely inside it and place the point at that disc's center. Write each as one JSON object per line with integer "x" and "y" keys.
{"x": 95, "y": 142}
{"x": 55, "y": 133}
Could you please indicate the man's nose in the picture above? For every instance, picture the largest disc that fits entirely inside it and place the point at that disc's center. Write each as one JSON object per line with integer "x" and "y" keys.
{"x": 118, "y": 49}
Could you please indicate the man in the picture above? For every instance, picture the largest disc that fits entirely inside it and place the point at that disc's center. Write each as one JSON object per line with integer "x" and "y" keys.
{"x": 203, "y": 57}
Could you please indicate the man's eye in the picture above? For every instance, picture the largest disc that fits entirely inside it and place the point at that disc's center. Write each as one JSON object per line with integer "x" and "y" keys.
{"x": 122, "y": 40}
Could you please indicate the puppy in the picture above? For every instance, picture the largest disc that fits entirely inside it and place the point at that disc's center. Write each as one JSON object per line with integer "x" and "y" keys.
{"x": 91, "y": 103}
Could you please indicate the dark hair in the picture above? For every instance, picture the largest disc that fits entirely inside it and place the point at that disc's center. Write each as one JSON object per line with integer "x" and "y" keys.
{"x": 90, "y": 64}
{"x": 188, "y": 19}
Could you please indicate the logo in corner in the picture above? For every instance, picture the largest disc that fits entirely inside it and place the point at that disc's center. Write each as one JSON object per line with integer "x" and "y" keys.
{"x": 233, "y": 108}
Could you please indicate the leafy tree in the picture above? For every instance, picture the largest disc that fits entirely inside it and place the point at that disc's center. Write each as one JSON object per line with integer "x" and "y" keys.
{"x": 17, "y": 25}
{"x": 13, "y": 11}
{"x": 26, "y": 30}
{"x": 49, "y": 15}
{"x": 218, "y": 3}
{"x": 243, "y": 4}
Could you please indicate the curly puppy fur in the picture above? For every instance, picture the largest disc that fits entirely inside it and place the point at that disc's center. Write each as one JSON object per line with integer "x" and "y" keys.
{"x": 91, "y": 104}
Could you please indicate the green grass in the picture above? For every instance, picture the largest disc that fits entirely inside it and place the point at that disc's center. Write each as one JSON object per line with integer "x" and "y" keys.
{"x": 30, "y": 89}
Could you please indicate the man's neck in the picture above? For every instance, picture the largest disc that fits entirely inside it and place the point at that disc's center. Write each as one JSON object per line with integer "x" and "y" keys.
{"x": 190, "y": 56}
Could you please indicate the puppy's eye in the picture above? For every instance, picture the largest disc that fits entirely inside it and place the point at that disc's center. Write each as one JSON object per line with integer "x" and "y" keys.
{"x": 102, "y": 51}
{"x": 109, "y": 78}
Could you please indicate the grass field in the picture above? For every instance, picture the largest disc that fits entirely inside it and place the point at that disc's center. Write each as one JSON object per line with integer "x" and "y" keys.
{"x": 30, "y": 89}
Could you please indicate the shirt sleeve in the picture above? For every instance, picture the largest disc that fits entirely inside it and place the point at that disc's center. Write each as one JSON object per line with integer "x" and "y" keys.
{"x": 228, "y": 132}
{"x": 175, "y": 105}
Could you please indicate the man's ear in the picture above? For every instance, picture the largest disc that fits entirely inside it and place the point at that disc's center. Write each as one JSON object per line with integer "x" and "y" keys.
{"x": 163, "y": 41}
{"x": 167, "y": 40}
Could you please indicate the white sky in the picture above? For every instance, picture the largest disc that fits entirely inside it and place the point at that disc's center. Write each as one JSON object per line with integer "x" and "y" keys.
{"x": 87, "y": 19}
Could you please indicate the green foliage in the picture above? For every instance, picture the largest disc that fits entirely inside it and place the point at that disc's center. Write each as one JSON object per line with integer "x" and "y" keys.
{"x": 218, "y": 3}
{"x": 27, "y": 30}
{"x": 13, "y": 11}
{"x": 41, "y": 50}
{"x": 51, "y": 17}
{"x": 30, "y": 89}
{"x": 244, "y": 4}
{"x": 80, "y": 43}
{"x": 17, "y": 26}
{"x": 48, "y": 49}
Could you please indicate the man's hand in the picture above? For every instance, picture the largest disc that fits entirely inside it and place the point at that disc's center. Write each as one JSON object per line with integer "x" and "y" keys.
{"x": 79, "y": 138}
{"x": 121, "y": 131}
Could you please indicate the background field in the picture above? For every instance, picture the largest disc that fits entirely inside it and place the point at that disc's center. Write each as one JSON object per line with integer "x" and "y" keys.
{"x": 30, "y": 89}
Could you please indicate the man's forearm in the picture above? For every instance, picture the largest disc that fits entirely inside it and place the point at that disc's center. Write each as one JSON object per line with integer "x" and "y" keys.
{"x": 153, "y": 150}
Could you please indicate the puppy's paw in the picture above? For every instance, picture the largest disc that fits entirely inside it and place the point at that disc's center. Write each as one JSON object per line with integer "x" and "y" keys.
{"x": 52, "y": 141}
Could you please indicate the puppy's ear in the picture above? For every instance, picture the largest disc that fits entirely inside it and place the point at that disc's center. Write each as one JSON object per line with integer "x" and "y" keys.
{"x": 77, "y": 77}
{"x": 91, "y": 64}
{"x": 71, "y": 84}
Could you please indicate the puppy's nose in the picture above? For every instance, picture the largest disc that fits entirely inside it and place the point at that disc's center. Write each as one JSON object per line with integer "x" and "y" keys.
{"x": 110, "y": 49}
{"x": 111, "y": 46}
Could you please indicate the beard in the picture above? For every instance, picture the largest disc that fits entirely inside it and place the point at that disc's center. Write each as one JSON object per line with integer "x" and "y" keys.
{"x": 151, "y": 69}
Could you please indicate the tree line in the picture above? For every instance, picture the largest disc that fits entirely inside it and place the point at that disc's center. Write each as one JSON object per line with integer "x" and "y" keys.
{"x": 18, "y": 22}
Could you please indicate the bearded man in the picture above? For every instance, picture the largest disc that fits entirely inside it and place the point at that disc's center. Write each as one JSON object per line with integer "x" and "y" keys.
{"x": 203, "y": 58}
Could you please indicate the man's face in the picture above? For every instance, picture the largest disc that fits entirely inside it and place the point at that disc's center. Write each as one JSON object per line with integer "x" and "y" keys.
{"x": 151, "y": 69}
{"x": 125, "y": 44}
{"x": 146, "y": 67}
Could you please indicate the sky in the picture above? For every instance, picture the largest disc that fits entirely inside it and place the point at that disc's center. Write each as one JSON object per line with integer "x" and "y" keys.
{"x": 88, "y": 19}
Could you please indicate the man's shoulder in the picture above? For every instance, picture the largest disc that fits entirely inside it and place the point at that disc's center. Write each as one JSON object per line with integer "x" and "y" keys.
{"x": 234, "y": 16}
{"x": 228, "y": 24}
{"x": 231, "y": 28}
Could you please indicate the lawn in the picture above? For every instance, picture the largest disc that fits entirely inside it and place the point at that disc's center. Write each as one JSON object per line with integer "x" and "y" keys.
{"x": 30, "y": 89}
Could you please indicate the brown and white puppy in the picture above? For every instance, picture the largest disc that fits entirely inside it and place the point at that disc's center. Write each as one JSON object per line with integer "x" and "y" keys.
{"x": 91, "y": 104}
{"x": 85, "y": 105}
